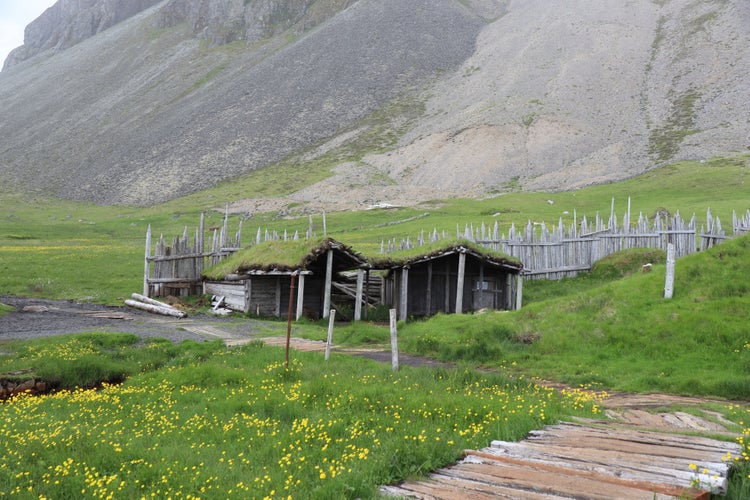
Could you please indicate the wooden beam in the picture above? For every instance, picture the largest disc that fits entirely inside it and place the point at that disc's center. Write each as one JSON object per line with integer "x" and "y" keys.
{"x": 508, "y": 292}
{"x": 358, "y": 298}
{"x": 277, "y": 310}
{"x": 300, "y": 296}
{"x": 248, "y": 295}
{"x": 429, "y": 289}
{"x": 367, "y": 291}
{"x": 447, "y": 291}
{"x": 481, "y": 287}
{"x": 519, "y": 291}
{"x": 460, "y": 283}
{"x": 329, "y": 279}
{"x": 403, "y": 306}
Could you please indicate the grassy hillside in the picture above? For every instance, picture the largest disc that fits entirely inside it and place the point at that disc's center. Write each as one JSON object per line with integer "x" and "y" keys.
{"x": 619, "y": 334}
{"x": 60, "y": 249}
{"x": 610, "y": 329}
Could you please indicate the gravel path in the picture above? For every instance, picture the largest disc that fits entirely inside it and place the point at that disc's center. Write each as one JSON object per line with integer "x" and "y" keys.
{"x": 43, "y": 318}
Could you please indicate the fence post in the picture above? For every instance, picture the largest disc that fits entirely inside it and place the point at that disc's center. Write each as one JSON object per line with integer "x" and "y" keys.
{"x": 289, "y": 316}
{"x": 669, "y": 285}
{"x": 394, "y": 341}
{"x": 146, "y": 265}
{"x": 329, "y": 340}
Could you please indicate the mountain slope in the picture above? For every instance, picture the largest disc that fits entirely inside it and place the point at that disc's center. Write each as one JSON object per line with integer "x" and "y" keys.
{"x": 138, "y": 114}
{"x": 585, "y": 92}
{"x": 516, "y": 94}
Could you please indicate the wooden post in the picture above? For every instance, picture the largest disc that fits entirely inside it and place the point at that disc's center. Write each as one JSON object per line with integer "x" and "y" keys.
{"x": 394, "y": 340}
{"x": 403, "y": 302}
{"x": 367, "y": 292}
{"x": 669, "y": 284}
{"x": 481, "y": 287}
{"x": 325, "y": 226}
{"x": 447, "y": 291}
{"x": 248, "y": 294}
{"x": 329, "y": 340}
{"x": 329, "y": 279}
{"x": 460, "y": 283}
{"x": 519, "y": 291}
{"x": 508, "y": 292}
{"x": 277, "y": 309}
{"x": 358, "y": 296}
{"x": 300, "y": 297}
{"x": 289, "y": 317}
{"x": 146, "y": 263}
{"x": 429, "y": 289}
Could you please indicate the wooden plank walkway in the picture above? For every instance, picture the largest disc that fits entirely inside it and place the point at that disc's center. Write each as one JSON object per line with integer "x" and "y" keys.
{"x": 583, "y": 461}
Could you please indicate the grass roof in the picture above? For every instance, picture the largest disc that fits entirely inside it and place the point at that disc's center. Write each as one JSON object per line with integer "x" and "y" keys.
{"x": 293, "y": 255}
{"x": 277, "y": 255}
{"x": 403, "y": 257}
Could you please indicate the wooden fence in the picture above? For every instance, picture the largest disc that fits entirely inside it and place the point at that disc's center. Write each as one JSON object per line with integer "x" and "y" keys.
{"x": 176, "y": 269}
{"x": 546, "y": 252}
{"x": 559, "y": 251}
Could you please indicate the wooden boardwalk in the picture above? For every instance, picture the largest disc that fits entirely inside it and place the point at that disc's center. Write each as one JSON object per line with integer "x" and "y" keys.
{"x": 583, "y": 461}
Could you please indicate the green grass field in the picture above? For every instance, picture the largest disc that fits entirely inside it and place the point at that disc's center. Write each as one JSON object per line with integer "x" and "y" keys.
{"x": 609, "y": 329}
{"x": 239, "y": 424}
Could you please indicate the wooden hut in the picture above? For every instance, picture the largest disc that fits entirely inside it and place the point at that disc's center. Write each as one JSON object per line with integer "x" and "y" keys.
{"x": 453, "y": 278}
{"x": 258, "y": 279}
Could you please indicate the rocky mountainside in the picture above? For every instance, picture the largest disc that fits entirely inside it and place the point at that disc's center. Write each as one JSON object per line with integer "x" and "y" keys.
{"x": 138, "y": 101}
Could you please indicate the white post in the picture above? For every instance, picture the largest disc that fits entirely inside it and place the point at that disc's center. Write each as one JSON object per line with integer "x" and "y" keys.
{"x": 146, "y": 264}
{"x": 394, "y": 341}
{"x": 329, "y": 341}
{"x": 460, "y": 283}
{"x": 300, "y": 296}
{"x": 669, "y": 285}
{"x": 329, "y": 278}
{"x": 358, "y": 296}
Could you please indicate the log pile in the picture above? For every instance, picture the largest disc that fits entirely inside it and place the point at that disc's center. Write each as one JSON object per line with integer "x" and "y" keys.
{"x": 144, "y": 303}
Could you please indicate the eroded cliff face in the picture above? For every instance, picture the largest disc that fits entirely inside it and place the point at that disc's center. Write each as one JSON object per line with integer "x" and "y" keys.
{"x": 470, "y": 96}
{"x": 69, "y": 22}
{"x": 224, "y": 21}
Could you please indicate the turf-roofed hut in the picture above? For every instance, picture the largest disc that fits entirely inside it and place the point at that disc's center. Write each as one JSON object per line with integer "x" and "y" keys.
{"x": 450, "y": 277}
{"x": 257, "y": 279}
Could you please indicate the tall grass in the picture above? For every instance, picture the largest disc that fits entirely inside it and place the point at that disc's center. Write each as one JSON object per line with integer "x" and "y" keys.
{"x": 239, "y": 424}
{"x": 89, "y": 359}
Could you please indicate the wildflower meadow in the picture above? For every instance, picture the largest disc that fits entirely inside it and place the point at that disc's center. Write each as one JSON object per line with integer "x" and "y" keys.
{"x": 241, "y": 424}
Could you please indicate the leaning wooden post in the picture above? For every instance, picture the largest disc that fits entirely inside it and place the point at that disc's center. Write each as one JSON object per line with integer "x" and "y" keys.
{"x": 300, "y": 296}
{"x": 329, "y": 339}
{"x": 289, "y": 317}
{"x": 146, "y": 263}
{"x": 669, "y": 284}
{"x": 358, "y": 295}
{"x": 394, "y": 341}
{"x": 329, "y": 279}
{"x": 460, "y": 282}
